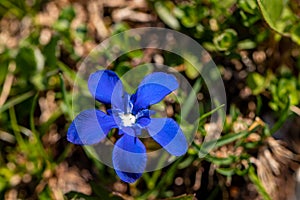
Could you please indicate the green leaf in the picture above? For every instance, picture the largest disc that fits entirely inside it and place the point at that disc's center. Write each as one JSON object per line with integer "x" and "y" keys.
{"x": 81, "y": 32}
{"x": 190, "y": 60}
{"x": 256, "y": 82}
{"x": 26, "y": 62}
{"x": 67, "y": 13}
{"x": 186, "y": 163}
{"x": 285, "y": 113}
{"x": 45, "y": 194}
{"x": 288, "y": 87}
{"x": 3, "y": 183}
{"x": 62, "y": 25}
{"x": 246, "y": 44}
{"x": 39, "y": 59}
{"x": 135, "y": 54}
{"x": 248, "y": 5}
{"x": 189, "y": 19}
{"x": 295, "y": 33}
{"x": 226, "y": 40}
{"x": 221, "y": 161}
{"x": 4, "y": 62}
{"x": 51, "y": 51}
{"x": 226, "y": 171}
{"x": 272, "y": 11}
{"x": 165, "y": 14}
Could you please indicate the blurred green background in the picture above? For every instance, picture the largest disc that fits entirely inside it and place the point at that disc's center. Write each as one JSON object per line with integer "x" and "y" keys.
{"x": 254, "y": 43}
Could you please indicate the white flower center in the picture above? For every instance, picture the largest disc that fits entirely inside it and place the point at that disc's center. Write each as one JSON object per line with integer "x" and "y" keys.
{"x": 128, "y": 119}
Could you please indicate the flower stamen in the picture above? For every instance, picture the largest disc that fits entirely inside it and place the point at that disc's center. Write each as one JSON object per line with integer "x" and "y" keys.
{"x": 127, "y": 119}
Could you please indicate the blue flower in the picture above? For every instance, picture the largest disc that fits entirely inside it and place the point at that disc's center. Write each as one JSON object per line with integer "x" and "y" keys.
{"x": 130, "y": 114}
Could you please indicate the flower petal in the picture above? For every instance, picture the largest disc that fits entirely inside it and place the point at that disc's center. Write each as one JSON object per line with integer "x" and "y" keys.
{"x": 102, "y": 83}
{"x": 129, "y": 158}
{"x": 153, "y": 89}
{"x": 134, "y": 130}
{"x": 90, "y": 127}
{"x": 143, "y": 117}
{"x": 167, "y": 133}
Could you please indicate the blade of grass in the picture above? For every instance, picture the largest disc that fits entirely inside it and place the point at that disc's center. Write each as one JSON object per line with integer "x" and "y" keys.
{"x": 33, "y": 106}
{"x": 12, "y": 8}
{"x": 205, "y": 115}
{"x": 156, "y": 174}
{"x": 258, "y": 105}
{"x": 71, "y": 74}
{"x": 214, "y": 194}
{"x": 55, "y": 115}
{"x": 65, "y": 153}
{"x": 190, "y": 100}
{"x": 259, "y": 186}
{"x": 15, "y": 127}
{"x": 163, "y": 183}
{"x": 92, "y": 154}
{"x": 219, "y": 142}
{"x": 64, "y": 94}
{"x": 12, "y": 102}
{"x": 35, "y": 134}
{"x": 230, "y": 138}
{"x": 283, "y": 116}
{"x": 183, "y": 197}
{"x": 69, "y": 113}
